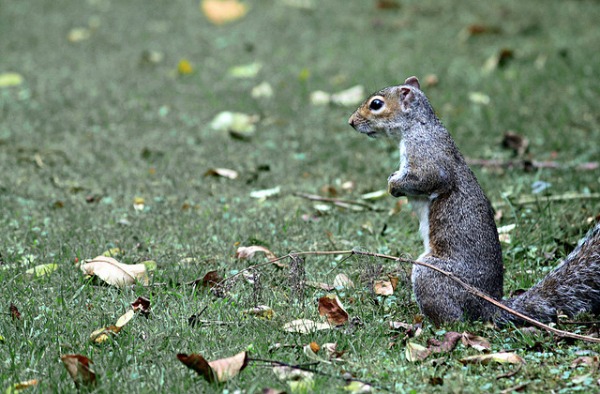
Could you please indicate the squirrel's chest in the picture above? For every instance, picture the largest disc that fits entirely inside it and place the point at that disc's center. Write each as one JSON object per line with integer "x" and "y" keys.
{"x": 420, "y": 206}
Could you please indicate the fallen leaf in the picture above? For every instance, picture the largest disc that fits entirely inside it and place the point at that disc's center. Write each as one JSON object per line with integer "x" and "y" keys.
{"x": 102, "y": 334}
{"x": 320, "y": 98}
{"x": 330, "y": 348}
{"x": 590, "y": 361}
{"x": 246, "y": 70}
{"x": 479, "y": 98}
{"x": 331, "y": 307}
{"x": 376, "y": 195}
{"x": 184, "y": 67}
{"x": 515, "y": 142}
{"x": 222, "y": 172}
{"x": 115, "y": 273}
{"x": 356, "y": 387}
{"x": 10, "y": 79}
{"x": 476, "y": 342}
{"x": 234, "y": 121}
{"x": 314, "y": 347}
{"x": 312, "y": 355}
{"x": 42, "y": 269}
{"x": 305, "y": 326}
{"x": 247, "y": 252}
{"x": 320, "y": 285}
{"x": 342, "y": 281}
{"x": 125, "y": 318}
{"x": 79, "y": 368}
{"x": 415, "y": 352}
{"x": 114, "y": 252}
{"x": 349, "y": 97}
{"x": 142, "y": 305}
{"x": 14, "y": 312}
{"x": 21, "y": 386}
{"x": 139, "y": 204}
{"x": 388, "y": 4}
{"x": 218, "y": 370}
{"x": 79, "y": 34}
{"x": 262, "y": 311}
{"x": 211, "y": 279}
{"x": 383, "y": 287}
{"x": 498, "y": 60}
{"x": 269, "y": 390}
{"x": 264, "y": 90}
{"x": 503, "y": 357}
{"x": 449, "y": 342}
{"x": 299, "y": 381}
{"x": 265, "y": 193}
{"x": 223, "y": 11}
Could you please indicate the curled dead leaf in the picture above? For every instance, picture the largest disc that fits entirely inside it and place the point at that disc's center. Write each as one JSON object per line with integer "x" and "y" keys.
{"x": 475, "y": 341}
{"x": 342, "y": 281}
{"x": 331, "y": 307}
{"x": 115, "y": 273}
{"x": 305, "y": 326}
{"x": 222, "y": 172}
{"x": 79, "y": 367}
{"x": 14, "y": 312}
{"x": 102, "y": 334}
{"x": 247, "y": 252}
{"x": 383, "y": 287}
{"x": 415, "y": 352}
{"x": 142, "y": 304}
{"x": 223, "y": 11}
{"x": 215, "y": 371}
{"x": 503, "y": 357}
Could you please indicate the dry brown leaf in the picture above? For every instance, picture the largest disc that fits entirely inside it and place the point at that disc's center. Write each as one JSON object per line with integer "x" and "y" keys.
{"x": 415, "y": 352}
{"x": 503, "y": 357}
{"x": 247, "y": 252}
{"x": 223, "y": 11}
{"x": 14, "y": 312}
{"x": 305, "y": 326}
{"x": 330, "y": 348}
{"x": 22, "y": 386}
{"x": 142, "y": 304}
{"x": 115, "y": 273}
{"x": 590, "y": 361}
{"x": 476, "y": 342}
{"x": 211, "y": 279}
{"x": 218, "y": 370}
{"x": 314, "y": 347}
{"x": 383, "y": 287}
{"x": 79, "y": 368}
{"x": 331, "y": 307}
{"x": 222, "y": 172}
{"x": 102, "y": 334}
{"x": 449, "y": 342}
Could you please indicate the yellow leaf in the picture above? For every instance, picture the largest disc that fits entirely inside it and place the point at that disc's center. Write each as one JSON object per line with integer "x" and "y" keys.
{"x": 262, "y": 311}
{"x": 41, "y": 270}
{"x": 305, "y": 326}
{"x": 10, "y": 79}
{"x": 415, "y": 352}
{"x": 223, "y": 11}
{"x": 184, "y": 67}
{"x": 21, "y": 386}
{"x": 503, "y": 357}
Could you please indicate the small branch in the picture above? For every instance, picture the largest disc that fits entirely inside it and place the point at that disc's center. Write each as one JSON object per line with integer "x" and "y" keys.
{"x": 531, "y": 164}
{"x": 563, "y": 197}
{"x": 338, "y": 202}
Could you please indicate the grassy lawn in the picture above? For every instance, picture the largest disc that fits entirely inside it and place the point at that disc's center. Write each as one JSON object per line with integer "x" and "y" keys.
{"x": 103, "y": 119}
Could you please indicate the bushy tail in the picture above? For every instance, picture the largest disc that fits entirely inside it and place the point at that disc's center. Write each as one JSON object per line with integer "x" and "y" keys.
{"x": 573, "y": 287}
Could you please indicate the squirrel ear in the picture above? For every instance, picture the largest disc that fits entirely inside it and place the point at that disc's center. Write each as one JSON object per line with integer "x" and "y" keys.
{"x": 412, "y": 81}
{"x": 407, "y": 96}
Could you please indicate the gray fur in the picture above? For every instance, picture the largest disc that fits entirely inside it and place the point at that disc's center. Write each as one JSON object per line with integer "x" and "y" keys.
{"x": 457, "y": 224}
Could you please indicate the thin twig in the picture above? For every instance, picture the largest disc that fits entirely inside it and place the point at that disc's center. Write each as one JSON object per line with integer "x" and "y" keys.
{"x": 563, "y": 197}
{"x": 301, "y": 367}
{"x": 337, "y": 201}
{"x": 531, "y": 164}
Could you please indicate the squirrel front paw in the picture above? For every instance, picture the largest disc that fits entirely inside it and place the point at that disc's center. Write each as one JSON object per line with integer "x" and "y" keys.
{"x": 394, "y": 182}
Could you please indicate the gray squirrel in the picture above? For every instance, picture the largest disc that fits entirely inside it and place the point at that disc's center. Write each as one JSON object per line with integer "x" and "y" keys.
{"x": 456, "y": 222}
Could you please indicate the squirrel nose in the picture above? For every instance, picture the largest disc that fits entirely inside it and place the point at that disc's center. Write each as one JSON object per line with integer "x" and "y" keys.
{"x": 351, "y": 121}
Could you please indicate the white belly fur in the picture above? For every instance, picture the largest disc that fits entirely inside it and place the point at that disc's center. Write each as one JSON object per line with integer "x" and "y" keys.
{"x": 420, "y": 206}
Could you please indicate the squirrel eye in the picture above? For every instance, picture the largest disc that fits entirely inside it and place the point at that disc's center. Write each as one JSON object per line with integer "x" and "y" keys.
{"x": 376, "y": 104}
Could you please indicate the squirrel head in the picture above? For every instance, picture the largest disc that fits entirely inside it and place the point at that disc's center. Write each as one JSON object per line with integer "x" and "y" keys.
{"x": 391, "y": 110}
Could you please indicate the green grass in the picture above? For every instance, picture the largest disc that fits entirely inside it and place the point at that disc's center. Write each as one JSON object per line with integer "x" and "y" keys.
{"x": 91, "y": 121}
